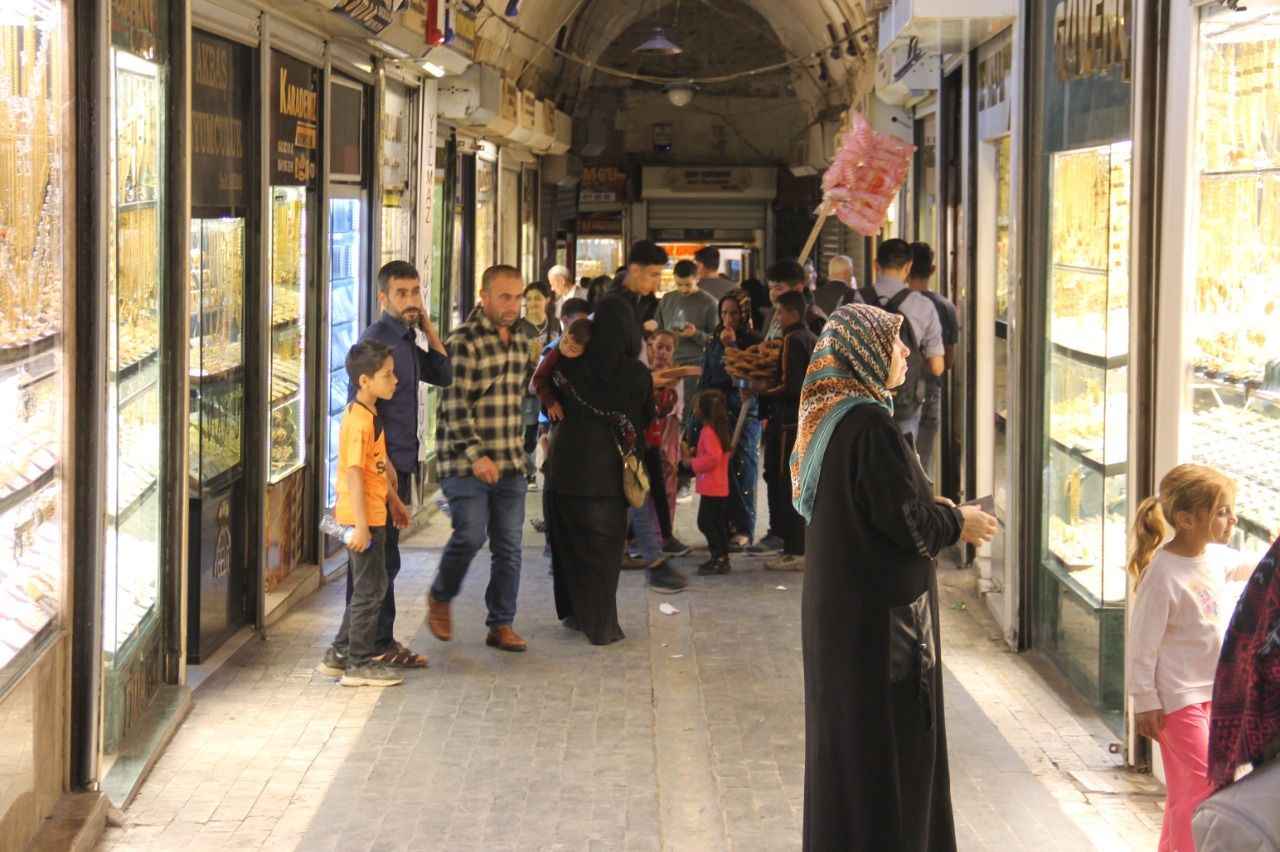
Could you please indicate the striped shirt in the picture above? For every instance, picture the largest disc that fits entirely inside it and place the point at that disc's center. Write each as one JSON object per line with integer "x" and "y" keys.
{"x": 479, "y": 413}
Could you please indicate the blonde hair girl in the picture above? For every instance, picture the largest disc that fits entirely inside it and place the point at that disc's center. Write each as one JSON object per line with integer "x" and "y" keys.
{"x": 1175, "y": 632}
{"x": 1188, "y": 494}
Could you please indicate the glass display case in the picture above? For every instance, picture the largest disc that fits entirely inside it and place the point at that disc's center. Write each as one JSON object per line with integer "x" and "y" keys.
{"x": 135, "y": 274}
{"x": 1233, "y": 392}
{"x": 597, "y": 256}
{"x": 288, "y": 328}
{"x": 1087, "y": 380}
{"x": 347, "y": 292}
{"x": 1004, "y": 202}
{"x": 32, "y": 371}
{"x": 529, "y": 224}
{"x": 216, "y": 359}
{"x": 399, "y": 173}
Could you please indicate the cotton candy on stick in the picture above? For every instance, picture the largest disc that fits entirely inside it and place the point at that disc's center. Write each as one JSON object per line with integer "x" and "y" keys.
{"x": 865, "y": 175}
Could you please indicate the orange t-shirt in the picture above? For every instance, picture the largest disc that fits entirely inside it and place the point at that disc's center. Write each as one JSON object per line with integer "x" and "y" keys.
{"x": 362, "y": 444}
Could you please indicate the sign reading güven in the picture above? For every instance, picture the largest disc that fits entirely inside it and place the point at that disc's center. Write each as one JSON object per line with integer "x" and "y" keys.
{"x": 1091, "y": 38}
{"x": 140, "y": 27}
{"x": 219, "y": 131}
{"x": 295, "y": 120}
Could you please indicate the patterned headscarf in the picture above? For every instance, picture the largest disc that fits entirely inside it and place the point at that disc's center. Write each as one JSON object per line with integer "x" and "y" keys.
{"x": 1246, "y": 692}
{"x": 850, "y": 367}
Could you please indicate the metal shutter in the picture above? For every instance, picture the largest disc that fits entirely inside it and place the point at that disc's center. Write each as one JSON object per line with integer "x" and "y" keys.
{"x": 665, "y": 214}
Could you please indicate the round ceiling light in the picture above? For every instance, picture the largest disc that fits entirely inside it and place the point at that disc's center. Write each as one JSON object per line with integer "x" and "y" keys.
{"x": 679, "y": 95}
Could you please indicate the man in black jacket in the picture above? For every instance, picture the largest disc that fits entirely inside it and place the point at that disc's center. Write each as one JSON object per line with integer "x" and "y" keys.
{"x": 635, "y": 288}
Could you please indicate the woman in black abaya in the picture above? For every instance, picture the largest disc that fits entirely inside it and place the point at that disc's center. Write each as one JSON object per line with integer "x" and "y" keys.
{"x": 876, "y": 748}
{"x": 607, "y": 395}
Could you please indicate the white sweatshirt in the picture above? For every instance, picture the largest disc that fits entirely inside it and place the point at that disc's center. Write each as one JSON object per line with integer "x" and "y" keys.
{"x": 1176, "y": 626}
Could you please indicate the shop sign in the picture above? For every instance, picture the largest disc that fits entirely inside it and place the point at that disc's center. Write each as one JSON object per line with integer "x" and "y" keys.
{"x": 708, "y": 180}
{"x": 995, "y": 86}
{"x": 374, "y": 15}
{"x": 600, "y": 224}
{"x": 295, "y": 121}
{"x": 219, "y": 131}
{"x": 1091, "y": 38}
{"x": 509, "y": 105}
{"x": 138, "y": 26}
{"x": 395, "y": 148}
{"x": 602, "y": 185}
{"x": 528, "y": 110}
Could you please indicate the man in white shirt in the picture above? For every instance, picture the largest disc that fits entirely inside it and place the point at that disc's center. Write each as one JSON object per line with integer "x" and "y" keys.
{"x": 561, "y": 281}
{"x": 893, "y": 265}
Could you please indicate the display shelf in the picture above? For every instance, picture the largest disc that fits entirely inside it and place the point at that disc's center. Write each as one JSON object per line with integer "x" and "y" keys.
{"x": 136, "y": 486}
{"x": 1090, "y": 458}
{"x": 12, "y": 353}
{"x": 1090, "y": 358}
{"x": 135, "y": 366}
{"x": 129, "y": 206}
{"x": 1002, "y": 329}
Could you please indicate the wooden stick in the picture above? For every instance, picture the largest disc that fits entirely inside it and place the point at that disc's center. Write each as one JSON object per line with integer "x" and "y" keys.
{"x": 813, "y": 235}
{"x": 742, "y": 422}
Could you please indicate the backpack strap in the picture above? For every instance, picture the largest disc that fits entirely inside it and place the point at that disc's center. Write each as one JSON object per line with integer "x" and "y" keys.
{"x": 895, "y": 304}
{"x": 869, "y": 296}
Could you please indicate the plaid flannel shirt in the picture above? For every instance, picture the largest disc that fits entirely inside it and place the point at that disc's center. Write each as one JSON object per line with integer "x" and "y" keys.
{"x": 479, "y": 413}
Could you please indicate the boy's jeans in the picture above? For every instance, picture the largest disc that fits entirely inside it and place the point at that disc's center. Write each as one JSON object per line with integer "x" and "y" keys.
{"x": 357, "y": 635}
{"x": 644, "y": 523}
{"x": 481, "y": 511}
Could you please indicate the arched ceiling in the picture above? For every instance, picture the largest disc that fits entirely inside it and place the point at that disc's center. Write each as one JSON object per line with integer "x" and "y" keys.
{"x": 749, "y": 33}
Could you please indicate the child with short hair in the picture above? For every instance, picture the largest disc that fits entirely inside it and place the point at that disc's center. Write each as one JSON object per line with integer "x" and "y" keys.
{"x": 711, "y": 466}
{"x": 1175, "y": 630}
{"x": 366, "y": 483}
{"x": 572, "y": 344}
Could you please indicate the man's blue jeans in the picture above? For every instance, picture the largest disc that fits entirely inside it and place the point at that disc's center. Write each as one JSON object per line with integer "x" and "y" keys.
{"x": 481, "y": 511}
{"x": 644, "y": 523}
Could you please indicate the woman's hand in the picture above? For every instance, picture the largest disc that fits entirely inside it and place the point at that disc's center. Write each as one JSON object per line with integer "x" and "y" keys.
{"x": 555, "y": 412}
{"x": 979, "y": 527}
{"x": 1150, "y": 723}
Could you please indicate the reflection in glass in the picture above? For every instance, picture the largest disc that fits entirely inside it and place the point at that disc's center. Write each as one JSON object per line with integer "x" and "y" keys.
{"x": 529, "y": 224}
{"x": 217, "y": 348}
{"x": 1004, "y": 200}
{"x": 288, "y": 303}
{"x": 345, "y": 287}
{"x": 32, "y": 135}
{"x": 598, "y": 256}
{"x": 135, "y": 271}
{"x": 1234, "y": 356}
{"x": 486, "y": 215}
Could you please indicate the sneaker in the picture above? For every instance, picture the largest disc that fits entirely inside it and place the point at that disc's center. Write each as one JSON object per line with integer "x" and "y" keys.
{"x": 666, "y": 580}
{"x": 632, "y": 563}
{"x": 334, "y": 663}
{"x": 533, "y": 483}
{"x": 685, "y": 494}
{"x": 714, "y": 565}
{"x": 370, "y": 674}
{"x": 785, "y": 562}
{"x": 738, "y": 543}
{"x": 675, "y": 547}
{"x": 538, "y": 524}
{"x": 770, "y": 544}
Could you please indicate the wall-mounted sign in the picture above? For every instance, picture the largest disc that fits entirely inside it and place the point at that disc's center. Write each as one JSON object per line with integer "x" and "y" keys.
{"x": 995, "y": 90}
{"x": 600, "y": 224}
{"x": 140, "y": 27}
{"x": 602, "y": 185}
{"x": 346, "y": 134}
{"x": 219, "y": 131}
{"x": 295, "y": 120}
{"x": 1091, "y": 37}
{"x": 395, "y": 139}
{"x": 509, "y": 105}
{"x": 744, "y": 182}
{"x": 374, "y": 15}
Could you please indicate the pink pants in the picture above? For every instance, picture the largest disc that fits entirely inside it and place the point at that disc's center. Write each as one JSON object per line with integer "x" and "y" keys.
{"x": 1184, "y": 748}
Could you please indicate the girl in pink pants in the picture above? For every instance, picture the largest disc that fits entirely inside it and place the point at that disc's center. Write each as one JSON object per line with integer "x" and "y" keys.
{"x": 1175, "y": 630}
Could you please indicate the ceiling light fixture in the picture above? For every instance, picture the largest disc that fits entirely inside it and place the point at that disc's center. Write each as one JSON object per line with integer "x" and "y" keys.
{"x": 433, "y": 69}
{"x": 659, "y": 45}
{"x": 680, "y": 95}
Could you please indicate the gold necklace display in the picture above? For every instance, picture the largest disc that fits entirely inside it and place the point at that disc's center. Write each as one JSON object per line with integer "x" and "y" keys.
{"x": 288, "y": 277}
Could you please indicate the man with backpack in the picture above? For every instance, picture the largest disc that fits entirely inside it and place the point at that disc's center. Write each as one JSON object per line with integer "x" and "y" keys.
{"x": 921, "y": 332}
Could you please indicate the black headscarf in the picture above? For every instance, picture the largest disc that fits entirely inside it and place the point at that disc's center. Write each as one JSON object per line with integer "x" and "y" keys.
{"x": 609, "y": 374}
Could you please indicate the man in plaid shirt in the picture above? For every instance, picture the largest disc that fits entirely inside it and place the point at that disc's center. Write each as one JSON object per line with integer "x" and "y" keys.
{"x": 480, "y": 457}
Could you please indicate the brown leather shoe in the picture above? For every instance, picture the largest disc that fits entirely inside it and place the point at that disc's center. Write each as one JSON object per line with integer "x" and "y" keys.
{"x": 439, "y": 619}
{"x": 505, "y": 639}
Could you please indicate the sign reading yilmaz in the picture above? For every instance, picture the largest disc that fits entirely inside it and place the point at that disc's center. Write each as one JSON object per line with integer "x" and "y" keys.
{"x": 218, "y": 128}
{"x": 295, "y": 120}
{"x": 1091, "y": 37}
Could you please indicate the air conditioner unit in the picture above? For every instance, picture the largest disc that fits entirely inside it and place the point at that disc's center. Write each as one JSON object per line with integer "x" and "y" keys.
{"x": 562, "y": 139}
{"x": 475, "y": 100}
{"x": 544, "y": 126}
{"x": 906, "y": 71}
{"x": 525, "y": 131}
{"x": 944, "y": 26}
{"x": 562, "y": 170}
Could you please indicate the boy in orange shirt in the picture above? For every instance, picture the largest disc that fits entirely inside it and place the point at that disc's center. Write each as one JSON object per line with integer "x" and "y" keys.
{"x": 366, "y": 483}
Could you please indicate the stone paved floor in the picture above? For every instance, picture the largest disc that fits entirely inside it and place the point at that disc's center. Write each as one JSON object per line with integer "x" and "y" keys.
{"x": 689, "y": 735}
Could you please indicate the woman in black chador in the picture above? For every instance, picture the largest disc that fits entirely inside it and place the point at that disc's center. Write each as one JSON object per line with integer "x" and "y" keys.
{"x": 876, "y": 747}
{"x": 607, "y": 396}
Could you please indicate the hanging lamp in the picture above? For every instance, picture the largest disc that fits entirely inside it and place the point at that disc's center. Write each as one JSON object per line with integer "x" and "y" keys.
{"x": 659, "y": 45}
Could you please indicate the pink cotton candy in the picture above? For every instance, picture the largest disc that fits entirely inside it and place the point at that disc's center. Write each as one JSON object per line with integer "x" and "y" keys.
{"x": 865, "y": 175}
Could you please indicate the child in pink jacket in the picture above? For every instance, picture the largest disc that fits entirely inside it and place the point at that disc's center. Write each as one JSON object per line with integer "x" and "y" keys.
{"x": 711, "y": 465}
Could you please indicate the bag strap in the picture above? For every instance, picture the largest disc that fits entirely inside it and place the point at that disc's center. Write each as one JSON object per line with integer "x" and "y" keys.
{"x": 870, "y": 296}
{"x": 562, "y": 382}
{"x": 895, "y": 304}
